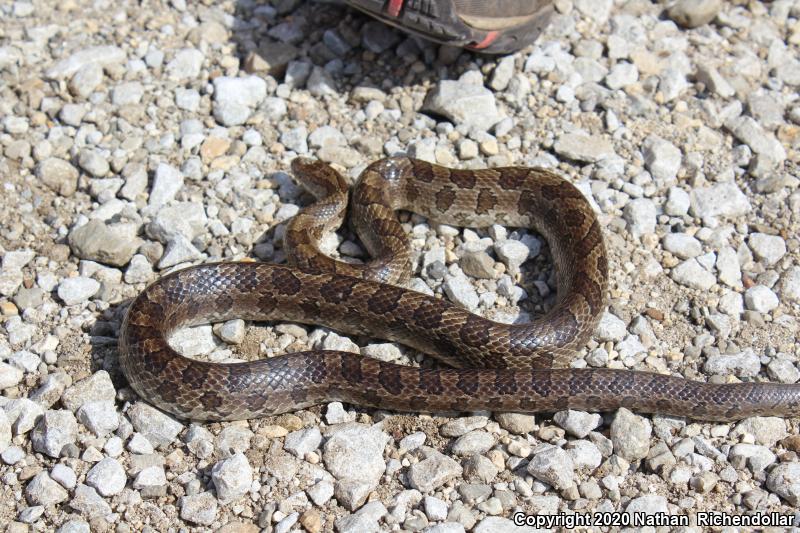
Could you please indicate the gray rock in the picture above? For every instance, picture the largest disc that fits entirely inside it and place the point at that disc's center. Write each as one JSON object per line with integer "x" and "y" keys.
{"x": 151, "y": 481}
{"x": 516, "y": 423}
{"x": 748, "y": 131}
{"x": 578, "y": 423}
{"x": 584, "y": 148}
{"x": 585, "y": 455}
{"x": 187, "y": 99}
{"x": 183, "y": 218}
{"x": 752, "y": 456}
{"x": 320, "y": 492}
{"x": 98, "y": 55}
{"x": 462, "y": 425}
{"x": 167, "y": 182}
{"x": 743, "y": 364}
{"x": 630, "y": 435}
{"x": 93, "y": 162}
{"x": 723, "y": 199}
{"x": 139, "y": 270}
{"x": 694, "y": 13}
{"x": 553, "y": 466}
{"x": 677, "y": 202}
{"x": 112, "y": 244}
{"x": 386, "y": 351}
{"x": 474, "y": 442}
{"x": 682, "y": 245}
{"x": 232, "y": 477}
{"x": 690, "y": 274}
{"x": 378, "y": 37}
{"x": 767, "y": 248}
{"x": 781, "y": 370}
{"x": 107, "y": 477}
{"x": 714, "y": 81}
{"x": 513, "y": 253}
{"x": 461, "y": 291}
{"x": 789, "y": 286}
{"x": 478, "y": 265}
{"x": 232, "y": 331}
{"x": 100, "y": 417}
{"x": 10, "y": 376}
{"x": 97, "y": 387}
{"x": 199, "y": 508}
{"x": 160, "y": 429}
{"x": 728, "y": 267}
{"x": 23, "y": 413}
{"x": 295, "y": 139}
{"x": 365, "y": 520}
{"x": 185, "y": 65}
{"x": 54, "y": 430}
{"x": 766, "y": 430}
{"x": 87, "y": 502}
{"x": 236, "y": 98}
{"x": 760, "y": 298}
{"x": 610, "y": 328}
{"x": 320, "y": 83}
{"x": 42, "y": 490}
{"x": 335, "y": 414}
{"x": 463, "y": 103}
{"x": 621, "y": 75}
{"x": 651, "y": 504}
{"x": 64, "y": 475}
{"x": 86, "y": 80}
{"x": 303, "y": 441}
{"x": 641, "y": 217}
{"x": 5, "y": 439}
{"x": 662, "y": 158}
{"x": 179, "y": 250}
{"x": 297, "y": 73}
{"x": 433, "y": 471}
{"x": 73, "y": 291}
{"x": 59, "y": 175}
{"x": 784, "y": 480}
{"x": 74, "y": 526}
{"x": 355, "y": 453}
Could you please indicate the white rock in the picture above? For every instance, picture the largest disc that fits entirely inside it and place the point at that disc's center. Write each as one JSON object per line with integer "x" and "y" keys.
{"x": 100, "y": 417}
{"x": 42, "y": 490}
{"x": 73, "y": 291}
{"x": 767, "y": 248}
{"x": 10, "y": 376}
{"x": 159, "y": 428}
{"x": 55, "y": 429}
{"x": 236, "y": 98}
{"x": 199, "y": 508}
{"x": 760, "y": 298}
{"x": 107, "y": 477}
{"x": 166, "y": 184}
{"x": 690, "y": 274}
{"x": 232, "y": 477}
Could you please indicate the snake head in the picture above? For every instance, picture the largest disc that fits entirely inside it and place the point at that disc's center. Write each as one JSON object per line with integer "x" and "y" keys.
{"x": 318, "y": 177}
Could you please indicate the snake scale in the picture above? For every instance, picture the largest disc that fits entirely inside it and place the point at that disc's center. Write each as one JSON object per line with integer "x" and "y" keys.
{"x": 496, "y": 367}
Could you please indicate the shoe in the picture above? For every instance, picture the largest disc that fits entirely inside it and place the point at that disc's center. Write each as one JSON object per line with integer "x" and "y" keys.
{"x": 491, "y": 26}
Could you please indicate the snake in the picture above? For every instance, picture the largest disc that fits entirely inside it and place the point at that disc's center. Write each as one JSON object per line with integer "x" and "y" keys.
{"x": 488, "y": 366}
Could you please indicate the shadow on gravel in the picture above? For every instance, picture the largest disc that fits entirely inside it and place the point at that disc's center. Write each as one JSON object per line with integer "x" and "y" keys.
{"x": 325, "y": 43}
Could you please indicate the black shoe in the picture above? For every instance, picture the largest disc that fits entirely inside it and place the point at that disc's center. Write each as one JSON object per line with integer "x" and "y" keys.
{"x": 491, "y": 26}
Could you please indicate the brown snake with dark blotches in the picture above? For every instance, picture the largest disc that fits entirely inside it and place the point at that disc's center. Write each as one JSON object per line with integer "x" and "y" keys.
{"x": 498, "y": 367}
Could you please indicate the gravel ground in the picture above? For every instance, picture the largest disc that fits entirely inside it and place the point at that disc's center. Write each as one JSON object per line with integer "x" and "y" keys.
{"x": 142, "y": 137}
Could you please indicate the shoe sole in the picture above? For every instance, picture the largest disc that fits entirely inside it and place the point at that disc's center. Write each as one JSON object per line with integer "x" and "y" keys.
{"x": 438, "y": 21}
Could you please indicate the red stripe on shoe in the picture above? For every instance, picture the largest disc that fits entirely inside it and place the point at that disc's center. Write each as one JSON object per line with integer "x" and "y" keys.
{"x": 489, "y": 39}
{"x": 394, "y": 7}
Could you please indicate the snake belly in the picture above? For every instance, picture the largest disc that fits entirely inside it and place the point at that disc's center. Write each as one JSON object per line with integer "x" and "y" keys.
{"x": 496, "y": 367}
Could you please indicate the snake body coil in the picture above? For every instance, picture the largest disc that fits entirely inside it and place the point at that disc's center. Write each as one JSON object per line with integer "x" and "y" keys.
{"x": 497, "y": 367}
